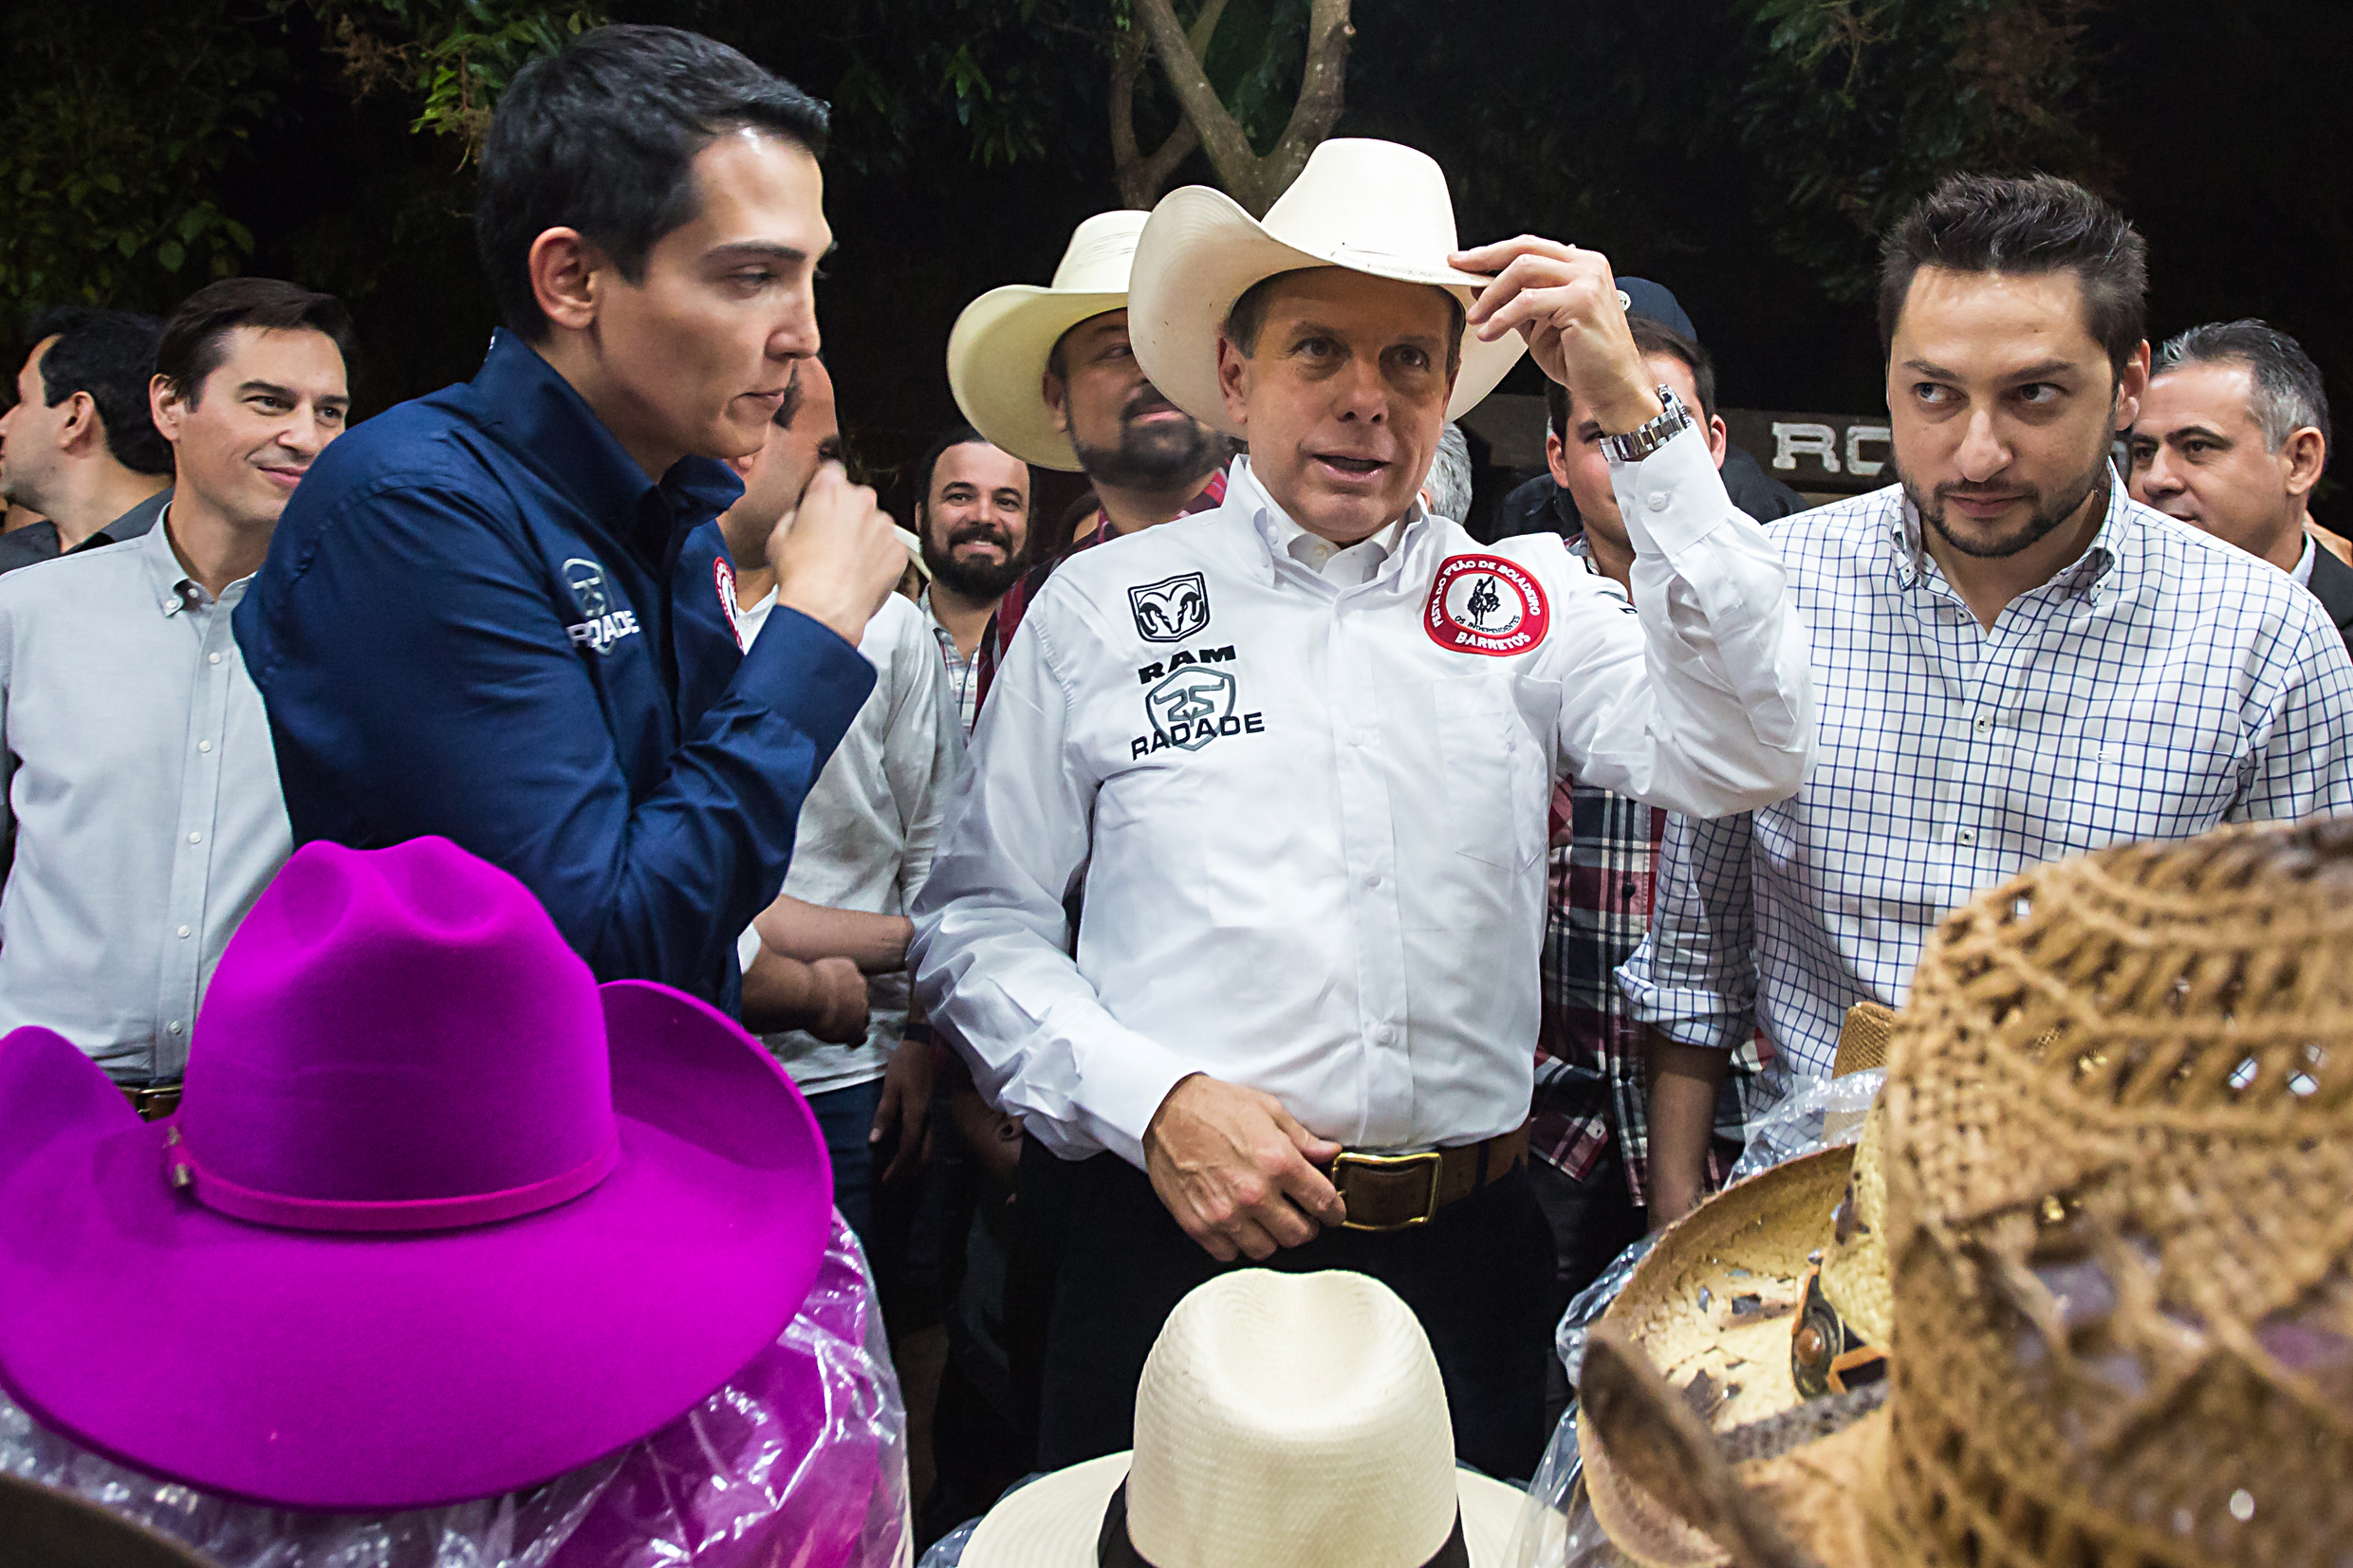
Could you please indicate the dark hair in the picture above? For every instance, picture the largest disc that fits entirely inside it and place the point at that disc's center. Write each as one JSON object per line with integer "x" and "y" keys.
{"x": 601, "y": 137}
{"x": 1651, "y": 339}
{"x": 1247, "y": 318}
{"x": 961, "y": 435}
{"x": 2286, "y": 395}
{"x": 196, "y": 340}
{"x": 110, "y": 355}
{"x": 1983, "y": 223}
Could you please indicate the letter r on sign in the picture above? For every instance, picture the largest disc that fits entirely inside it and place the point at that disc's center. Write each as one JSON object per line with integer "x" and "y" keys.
{"x": 1793, "y": 441}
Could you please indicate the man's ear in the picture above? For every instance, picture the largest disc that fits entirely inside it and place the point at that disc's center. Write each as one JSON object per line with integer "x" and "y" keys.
{"x": 1720, "y": 439}
{"x": 1057, "y": 395}
{"x": 166, "y": 408}
{"x": 1233, "y": 381}
{"x": 2132, "y": 385}
{"x": 1556, "y": 458}
{"x": 2304, "y": 452}
{"x": 566, "y": 274}
{"x": 82, "y": 427}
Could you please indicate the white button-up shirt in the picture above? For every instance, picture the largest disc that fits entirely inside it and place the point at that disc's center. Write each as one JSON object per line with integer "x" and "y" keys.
{"x": 867, "y": 826}
{"x": 1307, "y": 815}
{"x": 142, "y": 795}
{"x": 2161, "y": 684}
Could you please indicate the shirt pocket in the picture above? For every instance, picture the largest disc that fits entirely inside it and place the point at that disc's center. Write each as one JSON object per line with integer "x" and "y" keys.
{"x": 2132, "y": 776}
{"x": 1497, "y": 791}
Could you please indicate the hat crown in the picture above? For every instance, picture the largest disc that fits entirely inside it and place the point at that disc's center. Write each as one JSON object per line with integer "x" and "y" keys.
{"x": 1375, "y": 200}
{"x": 1292, "y": 1419}
{"x": 1101, "y": 252}
{"x": 400, "y": 1033}
{"x": 2119, "y": 1169}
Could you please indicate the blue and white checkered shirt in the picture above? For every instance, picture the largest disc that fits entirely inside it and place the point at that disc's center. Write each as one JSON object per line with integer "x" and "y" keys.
{"x": 2163, "y": 684}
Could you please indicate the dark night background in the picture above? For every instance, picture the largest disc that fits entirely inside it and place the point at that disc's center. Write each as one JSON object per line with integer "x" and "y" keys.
{"x": 1648, "y": 131}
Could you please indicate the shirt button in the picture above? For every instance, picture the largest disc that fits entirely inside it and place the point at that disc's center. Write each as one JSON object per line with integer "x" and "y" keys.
{"x": 1384, "y": 1035}
{"x": 195, "y": 838}
{"x": 1657, "y": 502}
{"x": 1374, "y": 880}
{"x": 183, "y": 931}
{"x": 212, "y": 658}
{"x": 172, "y": 1027}
{"x": 1985, "y": 723}
{"x": 1966, "y": 836}
{"x": 204, "y": 745}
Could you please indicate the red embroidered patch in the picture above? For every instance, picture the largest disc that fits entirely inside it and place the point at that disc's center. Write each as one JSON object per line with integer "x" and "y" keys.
{"x": 723, "y": 579}
{"x": 1485, "y": 604}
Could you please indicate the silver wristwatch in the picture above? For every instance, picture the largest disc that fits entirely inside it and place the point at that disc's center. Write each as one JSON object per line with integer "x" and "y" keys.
{"x": 1644, "y": 439}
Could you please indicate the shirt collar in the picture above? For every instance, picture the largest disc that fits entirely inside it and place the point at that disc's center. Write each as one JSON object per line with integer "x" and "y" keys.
{"x": 539, "y": 417}
{"x": 2111, "y": 546}
{"x": 174, "y": 589}
{"x": 2303, "y": 573}
{"x": 1277, "y": 533}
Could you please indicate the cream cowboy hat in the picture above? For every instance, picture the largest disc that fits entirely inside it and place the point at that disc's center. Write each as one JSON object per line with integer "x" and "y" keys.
{"x": 1371, "y": 207}
{"x": 2119, "y": 1222}
{"x": 998, "y": 350}
{"x": 1283, "y": 1420}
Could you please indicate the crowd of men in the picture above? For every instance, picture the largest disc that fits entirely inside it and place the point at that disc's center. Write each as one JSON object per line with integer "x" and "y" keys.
{"x": 1254, "y": 866}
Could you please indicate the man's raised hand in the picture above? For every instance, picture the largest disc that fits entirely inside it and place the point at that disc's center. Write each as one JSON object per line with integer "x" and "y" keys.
{"x": 836, "y": 555}
{"x": 1563, "y": 301}
{"x": 1235, "y": 1170}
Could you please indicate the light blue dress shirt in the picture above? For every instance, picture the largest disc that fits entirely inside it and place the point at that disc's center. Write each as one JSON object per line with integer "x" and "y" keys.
{"x": 141, "y": 799}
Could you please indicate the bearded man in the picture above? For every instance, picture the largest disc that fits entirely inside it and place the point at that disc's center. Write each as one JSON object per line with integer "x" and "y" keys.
{"x": 1049, "y": 376}
{"x": 2015, "y": 662}
{"x": 971, "y": 518}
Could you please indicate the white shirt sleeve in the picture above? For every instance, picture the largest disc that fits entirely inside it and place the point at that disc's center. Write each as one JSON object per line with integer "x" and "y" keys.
{"x": 1702, "y": 701}
{"x": 991, "y": 954}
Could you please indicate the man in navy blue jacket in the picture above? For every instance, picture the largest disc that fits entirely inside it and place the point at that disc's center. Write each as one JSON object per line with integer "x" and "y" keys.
{"x": 473, "y": 621}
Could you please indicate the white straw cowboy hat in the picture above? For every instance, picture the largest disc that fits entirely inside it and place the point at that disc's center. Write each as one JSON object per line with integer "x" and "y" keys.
{"x": 998, "y": 350}
{"x": 1283, "y": 1420}
{"x": 1370, "y": 207}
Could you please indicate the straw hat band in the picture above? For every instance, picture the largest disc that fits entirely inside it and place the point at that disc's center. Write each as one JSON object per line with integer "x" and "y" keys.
{"x": 1116, "y": 1548}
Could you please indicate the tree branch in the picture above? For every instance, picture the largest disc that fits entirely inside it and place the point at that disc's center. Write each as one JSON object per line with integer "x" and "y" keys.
{"x": 1140, "y": 177}
{"x": 1228, "y": 150}
{"x": 1322, "y": 91}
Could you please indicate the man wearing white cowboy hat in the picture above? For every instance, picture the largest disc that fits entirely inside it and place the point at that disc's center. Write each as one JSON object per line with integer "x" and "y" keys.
{"x": 1049, "y": 375}
{"x": 1295, "y": 754}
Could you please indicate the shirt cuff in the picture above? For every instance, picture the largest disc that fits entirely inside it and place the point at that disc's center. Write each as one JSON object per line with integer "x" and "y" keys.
{"x": 1673, "y": 498}
{"x": 1689, "y": 1015}
{"x": 1123, "y": 1077}
{"x": 800, "y": 669}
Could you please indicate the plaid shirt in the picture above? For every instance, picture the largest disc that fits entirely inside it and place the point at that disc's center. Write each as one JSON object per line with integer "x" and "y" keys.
{"x": 963, "y": 672}
{"x": 2159, "y": 685}
{"x": 1591, "y": 1081}
{"x": 998, "y": 638}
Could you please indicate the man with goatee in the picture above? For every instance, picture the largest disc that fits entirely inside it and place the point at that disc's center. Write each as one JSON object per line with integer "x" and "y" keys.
{"x": 1046, "y": 374}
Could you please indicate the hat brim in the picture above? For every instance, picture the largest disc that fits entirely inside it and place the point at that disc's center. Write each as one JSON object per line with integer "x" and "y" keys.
{"x": 997, "y": 355}
{"x": 1681, "y": 1307}
{"x": 1202, "y": 250}
{"x": 1054, "y": 1521}
{"x": 371, "y": 1373}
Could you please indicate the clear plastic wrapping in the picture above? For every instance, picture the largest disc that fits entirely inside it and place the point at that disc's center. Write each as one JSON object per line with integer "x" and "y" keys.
{"x": 799, "y": 1462}
{"x": 1557, "y": 1527}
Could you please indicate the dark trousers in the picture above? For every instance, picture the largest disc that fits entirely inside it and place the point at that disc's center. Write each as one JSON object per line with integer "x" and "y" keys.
{"x": 882, "y": 1217}
{"x": 1479, "y": 1277}
{"x": 1592, "y": 1220}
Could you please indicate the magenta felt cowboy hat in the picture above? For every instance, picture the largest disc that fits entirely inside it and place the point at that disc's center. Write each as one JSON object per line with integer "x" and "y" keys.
{"x": 439, "y": 1216}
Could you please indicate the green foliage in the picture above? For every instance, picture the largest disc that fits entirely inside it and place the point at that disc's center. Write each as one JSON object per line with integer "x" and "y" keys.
{"x": 1855, "y": 108}
{"x": 116, "y": 125}
{"x": 455, "y": 56}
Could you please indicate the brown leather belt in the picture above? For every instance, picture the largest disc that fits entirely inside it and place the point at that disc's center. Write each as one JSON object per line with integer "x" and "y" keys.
{"x": 152, "y": 1101}
{"x": 1399, "y": 1192}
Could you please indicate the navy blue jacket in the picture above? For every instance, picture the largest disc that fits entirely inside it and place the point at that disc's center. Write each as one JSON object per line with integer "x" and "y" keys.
{"x": 466, "y": 627}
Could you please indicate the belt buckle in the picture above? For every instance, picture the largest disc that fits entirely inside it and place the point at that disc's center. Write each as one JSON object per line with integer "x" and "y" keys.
{"x": 1428, "y": 1160}
{"x": 154, "y": 1101}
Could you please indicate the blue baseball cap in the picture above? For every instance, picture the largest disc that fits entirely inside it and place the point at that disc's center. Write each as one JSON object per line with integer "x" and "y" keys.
{"x": 1641, "y": 297}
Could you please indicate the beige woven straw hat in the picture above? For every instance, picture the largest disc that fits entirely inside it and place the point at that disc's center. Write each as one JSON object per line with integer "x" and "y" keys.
{"x": 1371, "y": 207}
{"x": 998, "y": 349}
{"x": 1283, "y": 1420}
{"x": 2120, "y": 1189}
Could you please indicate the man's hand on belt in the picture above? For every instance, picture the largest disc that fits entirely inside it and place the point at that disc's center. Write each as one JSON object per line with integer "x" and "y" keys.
{"x": 1237, "y": 1171}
